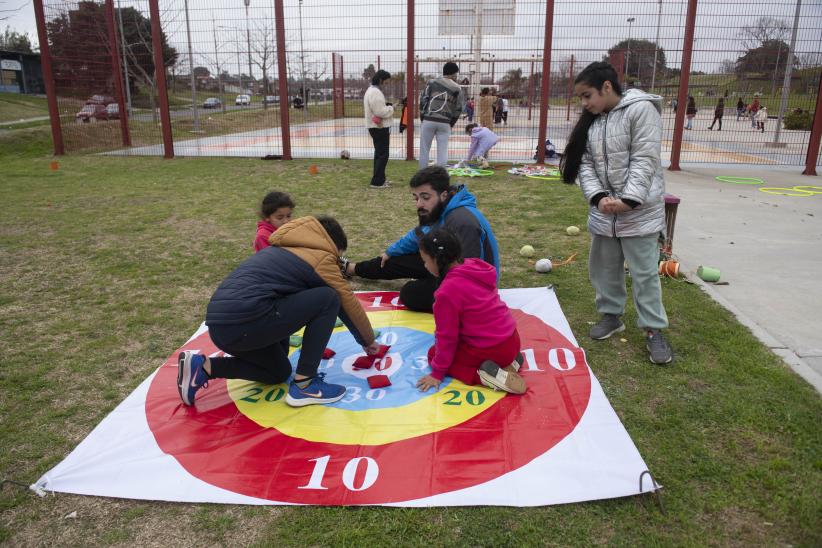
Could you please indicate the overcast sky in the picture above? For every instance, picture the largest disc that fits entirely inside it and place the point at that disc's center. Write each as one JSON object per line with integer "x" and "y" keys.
{"x": 362, "y": 29}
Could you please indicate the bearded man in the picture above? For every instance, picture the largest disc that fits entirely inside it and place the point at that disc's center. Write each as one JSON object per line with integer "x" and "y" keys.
{"x": 438, "y": 204}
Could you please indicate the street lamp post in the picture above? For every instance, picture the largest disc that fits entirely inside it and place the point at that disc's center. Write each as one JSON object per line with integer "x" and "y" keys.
{"x": 125, "y": 58}
{"x": 302, "y": 56}
{"x": 191, "y": 70}
{"x": 248, "y": 40}
{"x": 656, "y": 45}
{"x": 628, "y": 56}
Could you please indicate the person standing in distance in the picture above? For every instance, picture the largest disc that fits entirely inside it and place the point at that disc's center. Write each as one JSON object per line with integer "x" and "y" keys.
{"x": 441, "y": 105}
{"x": 378, "y": 115}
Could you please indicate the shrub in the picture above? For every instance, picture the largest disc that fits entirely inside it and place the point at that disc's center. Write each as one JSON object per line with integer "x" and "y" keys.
{"x": 799, "y": 120}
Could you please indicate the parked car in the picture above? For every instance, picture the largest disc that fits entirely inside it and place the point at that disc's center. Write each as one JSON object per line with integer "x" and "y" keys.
{"x": 242, "y": 100}
{"x": 271, "y": 99}
{"x": 90, "y": 112}
{"x": 100, "y": 100}
{"x": 212, "y": 102}
{"x": 111, "y": 112}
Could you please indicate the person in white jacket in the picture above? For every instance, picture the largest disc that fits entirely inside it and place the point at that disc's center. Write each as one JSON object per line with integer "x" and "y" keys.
{"x": 378, "y": 115}
{"x": 761, "y": 117}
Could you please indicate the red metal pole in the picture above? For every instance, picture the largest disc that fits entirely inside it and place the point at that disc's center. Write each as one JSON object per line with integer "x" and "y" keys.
{"x": 531, "y": 89}
{"x": 160, "y": 75}
{"x": 570, "y": 89}
{"x": 378, "y": 62}
{"x": 816, "y": 135}
{"x": 117, "y": 73}
{"x": 334, "y": 82}
{"x": 684, "y": 76}
{"x": 48, "y": 79}
{"x": 546, "y": 80}
{"x": 342, "y": 84}
{"x": 410, "y": 84}
{"x": 282, "y": 77}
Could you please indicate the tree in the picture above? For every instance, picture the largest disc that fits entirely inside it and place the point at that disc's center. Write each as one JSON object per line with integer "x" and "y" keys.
{"x": 639, "y": 59}
{"x": 12, "y": 40}
{"x": 81, "y": 52}
{"x": 202, "y": 72}
{"x": 768, "y": 33}
{"x": 512, "y": 83}
{"x": 726, "y": 66}
{"x": 264, "y": 48}
{"x": 763, "y": 60}
{"x": 369, "y": 72}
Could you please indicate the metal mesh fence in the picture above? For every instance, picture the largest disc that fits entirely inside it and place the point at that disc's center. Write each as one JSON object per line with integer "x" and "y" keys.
{"x": 223, "y": 65}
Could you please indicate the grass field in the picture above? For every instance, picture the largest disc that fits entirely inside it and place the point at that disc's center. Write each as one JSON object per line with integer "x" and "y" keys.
{"x": 106, "y": 266}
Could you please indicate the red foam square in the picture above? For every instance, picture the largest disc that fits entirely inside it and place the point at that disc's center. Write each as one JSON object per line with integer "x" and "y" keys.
{"x": 364, "y": 362}
{"x": 378, "y": 381}
{"x": 383, "y": 350}
{"x": 328, "y": 354}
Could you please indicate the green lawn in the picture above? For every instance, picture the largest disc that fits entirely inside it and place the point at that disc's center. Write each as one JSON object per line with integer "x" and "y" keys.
{"x": 17, "y": 106}
{"x": 106, "y": 265}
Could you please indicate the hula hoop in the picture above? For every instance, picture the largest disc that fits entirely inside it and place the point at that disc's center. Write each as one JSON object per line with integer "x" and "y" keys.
{"x": 740, "y": 180}
{"x": 545, "y": 177}
{"x": 470, "y": 172}
{"x": 815, "y": 189}
{"x": 780, "y": 191}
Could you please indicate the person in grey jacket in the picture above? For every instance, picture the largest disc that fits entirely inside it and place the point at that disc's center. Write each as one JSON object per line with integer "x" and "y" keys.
{"x": 441, "y": 105}
{"x": 614, "y": 150}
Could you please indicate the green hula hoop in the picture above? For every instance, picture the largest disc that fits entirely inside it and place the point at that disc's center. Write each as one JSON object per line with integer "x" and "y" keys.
{"x": 740, "y": 180}
{"x": 470, "y": 172}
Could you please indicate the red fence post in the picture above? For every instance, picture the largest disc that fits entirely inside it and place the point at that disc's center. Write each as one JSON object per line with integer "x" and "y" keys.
{"x": 117, "y": 73}
{"x": 282, "y": 77}
{"x": 160, "y": 75}
{"x": 342, "y": 84}
{"x": 684, "y": 77}
{"x": 410, "y": 82}
{"x": 48, "y": 79}
{"x": 546, "y": 80}
{"x": 816, "y": 135}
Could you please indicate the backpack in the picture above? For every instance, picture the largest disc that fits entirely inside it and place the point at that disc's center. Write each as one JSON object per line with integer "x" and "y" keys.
{"x": 550, "y": 150}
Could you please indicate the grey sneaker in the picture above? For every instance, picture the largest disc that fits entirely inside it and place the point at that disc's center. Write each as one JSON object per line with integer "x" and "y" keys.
{"x": 516, "y": 364}
{"x": 659, "y": 349}
{"x": 493, "y": 376}
{"x": 607, "y": 326}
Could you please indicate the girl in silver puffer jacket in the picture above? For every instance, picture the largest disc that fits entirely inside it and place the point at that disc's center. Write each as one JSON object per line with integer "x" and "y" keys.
{"x": 614, "y": 150}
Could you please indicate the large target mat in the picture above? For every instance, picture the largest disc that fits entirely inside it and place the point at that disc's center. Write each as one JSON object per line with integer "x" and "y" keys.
{"x": 462, "y": 445}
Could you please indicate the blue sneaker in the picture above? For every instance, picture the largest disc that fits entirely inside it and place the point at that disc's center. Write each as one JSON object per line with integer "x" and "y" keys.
{"x": 317, "y": 391}
{"x": 191, "y": 376}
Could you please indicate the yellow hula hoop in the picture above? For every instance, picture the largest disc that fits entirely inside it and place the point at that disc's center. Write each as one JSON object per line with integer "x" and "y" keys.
{"x": 782, "y": 191}
{"x": 740, "y": 180}
{"x": 814, "y": 189}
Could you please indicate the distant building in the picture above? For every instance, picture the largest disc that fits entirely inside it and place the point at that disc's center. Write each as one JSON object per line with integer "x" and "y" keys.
{"x": 21, "y": 72}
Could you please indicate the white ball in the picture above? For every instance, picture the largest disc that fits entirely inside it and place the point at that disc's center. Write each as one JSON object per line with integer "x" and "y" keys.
{"x": 543, "y": 266}
{"x": 572, "y": 230}
{"x": 527, "y": 251}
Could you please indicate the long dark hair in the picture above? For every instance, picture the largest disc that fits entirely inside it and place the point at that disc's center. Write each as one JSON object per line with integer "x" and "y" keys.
{"x": 594, "y": 75}
{"x": 379, "y": 77}
{"x": 444, "y": 246}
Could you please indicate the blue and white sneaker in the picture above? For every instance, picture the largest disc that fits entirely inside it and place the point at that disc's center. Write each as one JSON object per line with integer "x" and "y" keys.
{"x": 317, "y": 391}
{"x": 191, "y": 375}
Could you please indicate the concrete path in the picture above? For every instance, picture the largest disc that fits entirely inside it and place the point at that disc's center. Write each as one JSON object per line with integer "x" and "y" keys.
{"x": 768, "y": 248}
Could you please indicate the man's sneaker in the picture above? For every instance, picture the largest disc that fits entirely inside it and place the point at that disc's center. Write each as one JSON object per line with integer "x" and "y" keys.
{"x": 191, "y": 375}
{"x": 659, "y": 349}
{"x": 493, "y": 376}
{"x": 516, "y": 364}
{"x": 386, "y": 184}
{"x": 317, "y": 391}
{"x": 607, "y": 326}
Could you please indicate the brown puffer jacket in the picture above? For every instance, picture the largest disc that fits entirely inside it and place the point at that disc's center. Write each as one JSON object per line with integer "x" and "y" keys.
{"x": 307, "y": 239}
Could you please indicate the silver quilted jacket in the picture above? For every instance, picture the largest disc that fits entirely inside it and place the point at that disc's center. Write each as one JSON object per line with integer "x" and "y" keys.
{"x": 622, "y": 159}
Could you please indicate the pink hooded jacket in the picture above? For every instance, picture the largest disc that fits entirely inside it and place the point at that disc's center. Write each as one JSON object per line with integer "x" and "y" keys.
{"x": 467, "y": 309}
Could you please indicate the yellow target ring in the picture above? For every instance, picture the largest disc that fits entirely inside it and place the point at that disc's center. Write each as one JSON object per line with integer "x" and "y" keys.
{"x": 320, "y": 423}
{"x": 787, "y": 191}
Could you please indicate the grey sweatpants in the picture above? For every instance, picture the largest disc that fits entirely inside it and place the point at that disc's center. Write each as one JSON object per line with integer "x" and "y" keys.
{"x": 441, "y": 131}
{"x": 607, "y": 274}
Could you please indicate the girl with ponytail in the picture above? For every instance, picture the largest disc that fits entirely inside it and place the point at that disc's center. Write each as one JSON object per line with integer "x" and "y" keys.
{"x": 614, "y": 152}
{"x": 476, "y": 339}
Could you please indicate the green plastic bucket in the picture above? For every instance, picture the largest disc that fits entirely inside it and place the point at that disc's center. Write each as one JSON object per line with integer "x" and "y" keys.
{"x": 708, "y": 273}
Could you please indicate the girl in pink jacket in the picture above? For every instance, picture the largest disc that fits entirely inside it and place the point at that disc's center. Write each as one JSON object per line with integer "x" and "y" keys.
{"x": 476, "y": 339}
